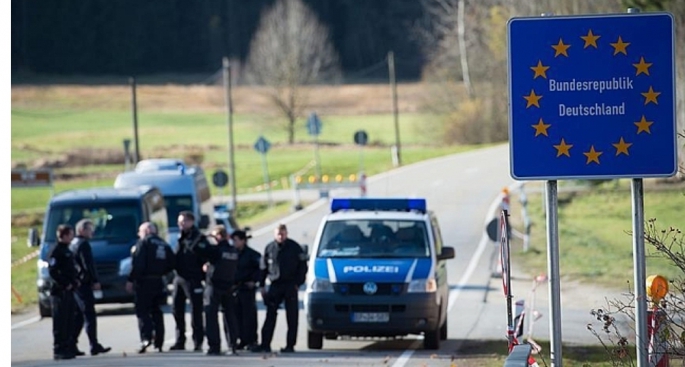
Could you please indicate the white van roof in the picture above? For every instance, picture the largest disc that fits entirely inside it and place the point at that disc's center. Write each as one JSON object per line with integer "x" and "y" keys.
{"x": 163, "y": 164}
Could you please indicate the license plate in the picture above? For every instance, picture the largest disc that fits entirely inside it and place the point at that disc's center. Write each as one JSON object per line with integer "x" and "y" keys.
{"x": 370, "y": 317}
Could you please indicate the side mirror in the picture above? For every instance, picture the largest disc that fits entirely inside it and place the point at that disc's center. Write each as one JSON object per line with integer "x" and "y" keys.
{"x": 204, "y": 221}
{"x": 32, "y": 240}
{"x": 447, "y": 253}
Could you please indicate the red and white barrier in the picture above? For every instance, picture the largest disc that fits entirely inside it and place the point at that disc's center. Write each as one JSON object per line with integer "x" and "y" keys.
{"x": 656, "y": 330}
{"x": 362, "y": 184}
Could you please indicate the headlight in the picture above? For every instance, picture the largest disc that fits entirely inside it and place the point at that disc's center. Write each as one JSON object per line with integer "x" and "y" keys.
{"x": 43, "y": 269}
{"x": 125, "y": 266}
{"x": 422, "y": 286}
{"x": 43, "y": 273}
{"x": 321, "y": 285}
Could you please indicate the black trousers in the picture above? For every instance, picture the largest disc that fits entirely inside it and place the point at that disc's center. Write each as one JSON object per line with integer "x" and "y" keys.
{"x": 246, "y": 314}
{"x": 63, "y": 312}
{"x": 213, "y": 299}
{"x": 278, "y": 293}
{"x": 192, "y": 290}
{"x": 85, "y": 314}
{"x": 149, "y": 296}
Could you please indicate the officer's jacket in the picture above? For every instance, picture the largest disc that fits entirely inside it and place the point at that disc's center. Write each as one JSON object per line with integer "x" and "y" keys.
{"x": 61, "y": 267}
{"x": 152, "y": 258}
{"x": 83, "y": 258}
{"x": 188, "y": 263}
{"x": 248, "y": 266}
{"x": 284, "y": 263}
{"x": 223, "y": 262}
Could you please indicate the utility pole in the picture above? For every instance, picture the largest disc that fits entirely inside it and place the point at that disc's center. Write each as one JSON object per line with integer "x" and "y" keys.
{"x": 393, "y": 87}
{"x": 231, "y": 153}
{"x": 134, "y": 108}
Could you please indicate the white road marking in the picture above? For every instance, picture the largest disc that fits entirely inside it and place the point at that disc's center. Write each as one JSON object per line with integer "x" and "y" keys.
{"x": 454, "y": 294}
{"x": 26, "y": 322}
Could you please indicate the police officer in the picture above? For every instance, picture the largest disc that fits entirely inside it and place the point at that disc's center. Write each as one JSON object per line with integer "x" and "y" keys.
{"x": 152, "y": 259}
{"x": 285, "y": 264}
{"x": 188, "y": 282}
{"x": 223, "y": 259}
{"x": 88, "y": 277}
{"x": 63, "y": 273}
{"x": 246, "y": 279}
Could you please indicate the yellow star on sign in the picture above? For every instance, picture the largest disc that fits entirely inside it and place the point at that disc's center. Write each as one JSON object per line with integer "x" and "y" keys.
{"x": 532, "y": 99}
{"x": 539, "y": 70}
{"x": 592, "y": 155}
{"x": 620, "y": 46}
{"x": 563, "y": 148}
{"x": 590, "y": 39}
{"x": 642, "y": 67}
{"x": 560, "y": 48}
{"x": 622, "y": 147}
{"x": 650, "y": 95}
{"x": 643, "y": 125}
{"x": 541, "y": 128}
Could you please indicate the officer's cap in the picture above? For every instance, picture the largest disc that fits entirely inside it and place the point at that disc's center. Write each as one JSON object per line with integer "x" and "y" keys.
{"x": 240, "y": 234}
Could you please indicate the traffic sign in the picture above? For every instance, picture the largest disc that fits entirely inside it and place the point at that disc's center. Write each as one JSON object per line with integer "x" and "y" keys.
{"x": 361, "y": 137}
{"x": 592, "y": 96}
{"x": 220, "y": 178}
{"x": 314, "y": 124}
{"x": 262, "y": 145}
{"x": 504, "y": 252}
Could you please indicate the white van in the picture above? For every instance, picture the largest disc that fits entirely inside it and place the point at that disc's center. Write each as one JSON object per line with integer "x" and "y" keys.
{"x": 183, "y": 187}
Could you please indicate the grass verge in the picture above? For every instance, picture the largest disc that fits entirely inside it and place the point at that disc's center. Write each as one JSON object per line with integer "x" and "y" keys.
{"x": 595, "y": 231}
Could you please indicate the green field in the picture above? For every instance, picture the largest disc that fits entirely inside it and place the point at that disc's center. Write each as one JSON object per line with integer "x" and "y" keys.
{"x": 51, "y": 133}
{"x": 595, "y": 232}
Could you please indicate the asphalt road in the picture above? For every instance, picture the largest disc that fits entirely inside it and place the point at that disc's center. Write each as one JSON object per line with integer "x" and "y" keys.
{"x": 463, "y": 190}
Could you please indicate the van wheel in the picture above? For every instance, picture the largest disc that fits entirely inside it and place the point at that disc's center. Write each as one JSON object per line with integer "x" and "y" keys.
{"x": 443, "y": 331}
{"x": 314, "y": 340}
{"x": 44, "y": 310}
{"x": 431, "y": 338}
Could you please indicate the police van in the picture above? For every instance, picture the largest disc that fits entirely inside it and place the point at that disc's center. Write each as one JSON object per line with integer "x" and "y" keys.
{"x": 377, "y": 268}
{"x": 116, "y": 215}
{"x": 184, "y": 188}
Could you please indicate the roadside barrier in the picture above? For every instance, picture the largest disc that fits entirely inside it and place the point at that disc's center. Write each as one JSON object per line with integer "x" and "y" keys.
{"x": 362, "y": 184}
{"x": 657, "y": 322}
{"x": 26, "y": 258}
{"x": 656, "y": 330}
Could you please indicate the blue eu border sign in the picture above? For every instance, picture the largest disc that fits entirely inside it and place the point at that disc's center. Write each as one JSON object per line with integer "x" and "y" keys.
{"x": 592, "y": 97}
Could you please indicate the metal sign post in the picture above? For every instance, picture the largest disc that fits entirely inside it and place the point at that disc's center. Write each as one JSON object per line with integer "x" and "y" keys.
{"x": 592, "y": 97}
{"x": 361, "y": 138}
{"x": 262, "y": 146}
{"x": 552, "y": 207}
{"x": 314, "y": 129}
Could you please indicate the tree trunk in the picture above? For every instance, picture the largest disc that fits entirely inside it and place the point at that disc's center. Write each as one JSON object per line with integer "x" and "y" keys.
{"x": 462, "y": 49}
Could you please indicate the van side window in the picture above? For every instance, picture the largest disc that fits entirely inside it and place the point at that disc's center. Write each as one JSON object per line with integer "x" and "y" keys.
{"x": 158, "y": 216}
{"x": 436, "y": 235}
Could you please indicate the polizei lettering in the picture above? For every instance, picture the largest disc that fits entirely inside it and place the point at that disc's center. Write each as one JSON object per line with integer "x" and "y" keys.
{"x": 371, "y": 269}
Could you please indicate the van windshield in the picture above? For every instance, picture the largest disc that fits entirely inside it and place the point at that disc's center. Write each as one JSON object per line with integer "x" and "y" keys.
{"x": 374, "y": 238}
{"x": 116, "y": 222}
{"x": 175, "y": 205}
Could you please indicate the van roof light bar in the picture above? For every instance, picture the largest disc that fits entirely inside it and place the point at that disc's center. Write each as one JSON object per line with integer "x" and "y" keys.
{"x": 379, "y": 204}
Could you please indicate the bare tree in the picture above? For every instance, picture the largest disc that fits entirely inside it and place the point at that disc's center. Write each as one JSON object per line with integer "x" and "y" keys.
{"x": 291, "y": 49}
